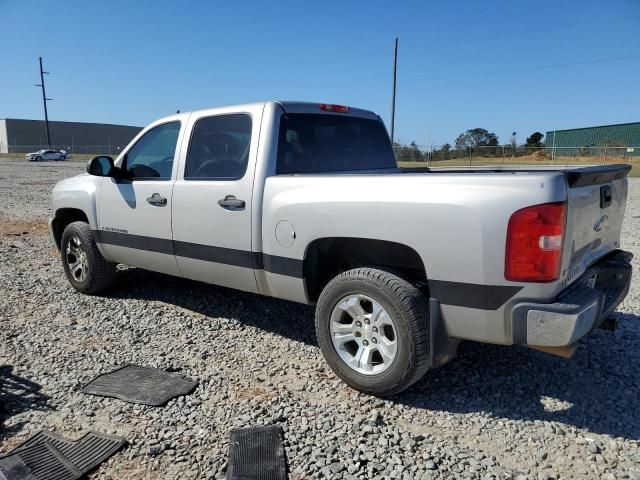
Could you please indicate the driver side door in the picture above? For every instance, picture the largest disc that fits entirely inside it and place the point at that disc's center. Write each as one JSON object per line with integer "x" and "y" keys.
{"x": 134, "y": 215}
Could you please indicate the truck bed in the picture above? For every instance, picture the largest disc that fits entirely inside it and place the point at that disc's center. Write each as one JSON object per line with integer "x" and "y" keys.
{"x": 577, "y": 175}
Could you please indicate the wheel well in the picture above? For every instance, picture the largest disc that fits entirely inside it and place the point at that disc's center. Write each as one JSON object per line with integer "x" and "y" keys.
{"x": 328, "y": 257}
{"x": 65, "y": 216}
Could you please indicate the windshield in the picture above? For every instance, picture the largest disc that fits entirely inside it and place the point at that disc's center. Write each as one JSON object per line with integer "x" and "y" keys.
{"x": 312, "y": 143}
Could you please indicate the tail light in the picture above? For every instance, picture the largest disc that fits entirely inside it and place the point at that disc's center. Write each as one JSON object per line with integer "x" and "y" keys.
{"x": 329, "y": 107}
{"x": 534, "y": 243}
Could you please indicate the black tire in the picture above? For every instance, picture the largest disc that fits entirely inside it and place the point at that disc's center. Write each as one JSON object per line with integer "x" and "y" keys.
{"x": 409, "y": 310}
{"x": 99, "y": 274}
{"x": 38, "y": 158}
{"x": 62, "y": 158}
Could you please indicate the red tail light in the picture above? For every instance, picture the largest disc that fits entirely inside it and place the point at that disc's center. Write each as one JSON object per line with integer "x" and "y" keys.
{"x": 329, "y": 107}
{"x": 534, "y": 243}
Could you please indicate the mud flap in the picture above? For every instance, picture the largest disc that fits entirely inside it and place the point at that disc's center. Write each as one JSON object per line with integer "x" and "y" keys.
{"x": 443, "y": 348}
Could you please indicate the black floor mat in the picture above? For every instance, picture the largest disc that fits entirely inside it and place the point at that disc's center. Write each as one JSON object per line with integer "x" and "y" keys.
{"x": 39, "y": 461}
{"x": 256, "y": 453}
{"x": 85, "y": 453}
{"x": 144, "y": 385}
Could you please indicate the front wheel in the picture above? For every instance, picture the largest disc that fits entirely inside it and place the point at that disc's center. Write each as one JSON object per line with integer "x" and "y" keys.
{"x": 38, "y": 158}
{"x": 373, "y": 329}
{"x": 84, "y": 265}
{"x": 62, "y": 158}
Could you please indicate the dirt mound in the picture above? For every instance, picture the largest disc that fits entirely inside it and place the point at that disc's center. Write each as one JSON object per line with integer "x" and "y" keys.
{"x": 15, "y": 227}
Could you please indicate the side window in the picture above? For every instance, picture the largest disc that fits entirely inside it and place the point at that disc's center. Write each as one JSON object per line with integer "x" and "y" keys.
{"x": 219, "y": 148}
{"x": 152, "y": 155}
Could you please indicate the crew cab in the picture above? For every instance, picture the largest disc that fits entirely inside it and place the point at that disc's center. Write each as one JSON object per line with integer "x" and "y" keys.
{"x": 305, "y": 202}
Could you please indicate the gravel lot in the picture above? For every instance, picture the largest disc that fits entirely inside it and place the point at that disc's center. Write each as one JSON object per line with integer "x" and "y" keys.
{"x": 495, "y": 412}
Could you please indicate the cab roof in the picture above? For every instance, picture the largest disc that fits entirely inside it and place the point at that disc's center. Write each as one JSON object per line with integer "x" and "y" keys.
{"x": 297, "y": 107}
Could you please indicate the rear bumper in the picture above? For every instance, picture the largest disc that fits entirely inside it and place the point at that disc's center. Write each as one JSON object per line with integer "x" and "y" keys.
{"x": 578, "y": 309}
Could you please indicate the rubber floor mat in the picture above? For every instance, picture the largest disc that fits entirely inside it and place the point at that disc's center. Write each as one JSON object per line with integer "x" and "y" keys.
{"x": 39, "y": 461}
{"x": 85, "y": 453}
{"x": 12, "y": 468}
{"x": 256, "y": 453}
{"x": 144, "y": 385}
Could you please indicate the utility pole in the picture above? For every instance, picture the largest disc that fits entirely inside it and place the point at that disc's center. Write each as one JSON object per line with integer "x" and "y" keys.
{"x": 393, "y": 94}
{"x": 44, "y": 101}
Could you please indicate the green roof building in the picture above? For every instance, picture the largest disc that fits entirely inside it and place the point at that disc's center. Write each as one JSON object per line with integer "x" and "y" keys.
{"x": 621, "y": 140}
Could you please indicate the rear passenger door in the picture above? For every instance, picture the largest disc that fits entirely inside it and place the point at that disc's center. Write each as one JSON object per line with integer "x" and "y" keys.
{"x": 212, "y": 198}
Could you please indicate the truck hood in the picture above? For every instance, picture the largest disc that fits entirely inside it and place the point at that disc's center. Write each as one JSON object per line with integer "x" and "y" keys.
{"x": 76, "y": 181}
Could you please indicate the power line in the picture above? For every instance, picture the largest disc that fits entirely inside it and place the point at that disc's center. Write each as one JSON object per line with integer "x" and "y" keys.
{"x": 534, "y": 67}
{"x": 530, "y": 31}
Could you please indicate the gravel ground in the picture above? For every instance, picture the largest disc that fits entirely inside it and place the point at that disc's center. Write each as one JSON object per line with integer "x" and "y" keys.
{"x": 495, "y": 412}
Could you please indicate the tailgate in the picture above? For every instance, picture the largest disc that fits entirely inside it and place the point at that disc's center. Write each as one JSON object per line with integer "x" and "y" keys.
{"x": 596, "y": 198}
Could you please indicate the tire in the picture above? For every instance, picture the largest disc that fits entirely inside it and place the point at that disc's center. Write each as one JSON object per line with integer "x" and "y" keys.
{"x": 78, "y": 247}
{"x": 38, "y": 158}
{"x": 406, "y": 309}
{"x": 62, "y": 158}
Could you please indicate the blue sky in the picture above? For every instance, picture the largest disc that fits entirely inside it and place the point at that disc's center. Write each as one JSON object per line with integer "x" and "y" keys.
{"x": 462, "y": 64}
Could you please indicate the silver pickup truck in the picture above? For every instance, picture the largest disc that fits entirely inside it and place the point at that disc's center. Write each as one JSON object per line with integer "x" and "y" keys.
{"x": 305, "y": 202}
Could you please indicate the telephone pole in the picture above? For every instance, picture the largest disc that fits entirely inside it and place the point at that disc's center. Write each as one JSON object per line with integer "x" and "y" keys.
{"x": 44, "y": 101}
{"x": 393, "y": 93}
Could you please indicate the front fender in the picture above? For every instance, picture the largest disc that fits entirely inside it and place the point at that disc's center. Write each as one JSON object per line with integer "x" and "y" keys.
{"x": 77, "y": 193}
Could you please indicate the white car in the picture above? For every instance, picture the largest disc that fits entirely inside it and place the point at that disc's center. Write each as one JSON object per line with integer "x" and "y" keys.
{"x": 46, "y": 155}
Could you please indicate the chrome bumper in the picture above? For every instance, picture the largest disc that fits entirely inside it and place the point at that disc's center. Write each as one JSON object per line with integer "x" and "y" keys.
{"x": 579, "y": 309}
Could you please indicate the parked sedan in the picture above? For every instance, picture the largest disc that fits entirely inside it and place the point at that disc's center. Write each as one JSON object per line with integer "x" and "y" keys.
{"x": 46, "y": 155}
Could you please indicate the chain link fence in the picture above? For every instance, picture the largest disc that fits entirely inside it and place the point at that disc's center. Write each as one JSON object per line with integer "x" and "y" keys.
{"x": 433, "y": 156}
{"x": 74, "y": 152}
{"x": 427, "y": 156}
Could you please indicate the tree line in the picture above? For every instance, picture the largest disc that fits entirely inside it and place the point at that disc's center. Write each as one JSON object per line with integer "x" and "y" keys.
{"x": 474, "y": 142}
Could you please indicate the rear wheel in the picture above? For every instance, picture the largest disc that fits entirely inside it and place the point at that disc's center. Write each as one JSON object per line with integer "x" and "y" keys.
{"x": 373, "y": 329}
{"x": 84, "y": 265}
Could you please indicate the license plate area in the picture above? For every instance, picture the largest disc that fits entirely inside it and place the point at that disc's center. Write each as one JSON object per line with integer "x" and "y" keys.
{"x": 610, "y": 277}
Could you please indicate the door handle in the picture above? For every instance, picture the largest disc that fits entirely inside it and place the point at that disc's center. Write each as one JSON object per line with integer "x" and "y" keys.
{"x": 231, "y": 203}
{"x": 157, "y": 199}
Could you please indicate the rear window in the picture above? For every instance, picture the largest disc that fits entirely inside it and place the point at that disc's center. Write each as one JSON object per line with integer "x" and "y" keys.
{"x": 310, "y": 143}
{"x": 219, "y": 148}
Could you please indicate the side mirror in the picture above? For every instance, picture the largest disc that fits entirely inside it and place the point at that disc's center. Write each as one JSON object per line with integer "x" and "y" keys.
{"x": 101, "y": 166}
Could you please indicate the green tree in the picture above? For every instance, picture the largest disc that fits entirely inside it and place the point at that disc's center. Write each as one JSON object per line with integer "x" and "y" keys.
{"x": 534, "y": 140}
{"x": 442, "y": 153}
{"x": 477, "y": 137}
{"x": 415, "y": 151}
